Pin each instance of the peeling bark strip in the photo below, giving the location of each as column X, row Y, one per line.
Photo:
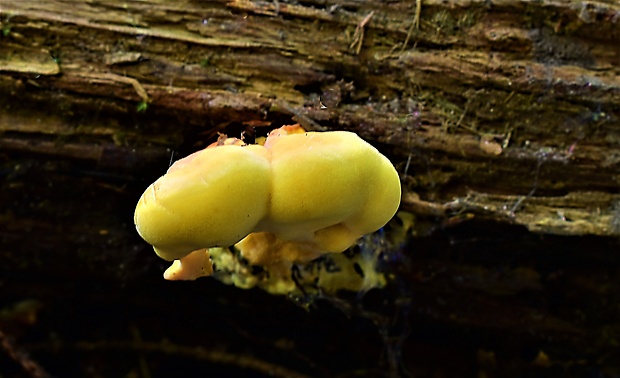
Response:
column 507, row 99
column 16, row 59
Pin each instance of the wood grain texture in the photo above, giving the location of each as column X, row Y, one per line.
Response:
column 480, row 98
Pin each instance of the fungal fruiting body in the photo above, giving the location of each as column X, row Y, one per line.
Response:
column 298, row 196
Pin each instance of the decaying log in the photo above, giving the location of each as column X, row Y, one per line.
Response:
column 473, row 97
column 502, row 117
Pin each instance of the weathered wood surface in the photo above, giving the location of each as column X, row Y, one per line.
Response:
column 498, row 114
column 486, row 101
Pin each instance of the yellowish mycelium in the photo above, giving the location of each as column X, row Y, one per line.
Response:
column 298, row 196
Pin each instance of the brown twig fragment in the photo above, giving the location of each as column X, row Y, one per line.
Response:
column 358, row 36
column 240, row 361
column 415, row 24
column 22, row 358
column 103, row 78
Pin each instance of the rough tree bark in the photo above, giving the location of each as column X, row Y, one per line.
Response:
column 501, row 113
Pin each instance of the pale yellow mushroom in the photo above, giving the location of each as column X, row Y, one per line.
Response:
column 300, row 195
column 214, row 197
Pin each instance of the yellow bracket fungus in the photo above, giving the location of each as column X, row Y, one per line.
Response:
column 298, row 196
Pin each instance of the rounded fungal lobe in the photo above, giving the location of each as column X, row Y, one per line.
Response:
column 300, row 195
column 214, row 198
